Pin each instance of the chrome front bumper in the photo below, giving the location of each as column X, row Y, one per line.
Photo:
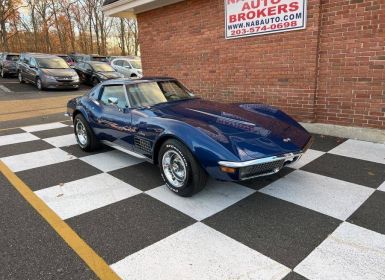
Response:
column 264, row 166
column 238, row 164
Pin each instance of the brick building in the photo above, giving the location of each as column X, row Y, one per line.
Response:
column 331, row 72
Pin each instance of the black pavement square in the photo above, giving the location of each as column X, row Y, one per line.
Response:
column 294, row 276
column 53, row 132
column 261, row 182
column 123, row 228
column 23, row 148
column 11, row 131
column 55, row 174
column 371, row 214
column 77, row 152
column 278, row 229
column 143, row 176
column 325, row 143
column 30, row 248
column 366, row 173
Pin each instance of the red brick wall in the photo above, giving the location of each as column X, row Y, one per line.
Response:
column 186, row 40
column 352, row 63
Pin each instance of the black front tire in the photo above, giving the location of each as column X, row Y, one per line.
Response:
column 196, row 177
column 92, row 142
column 39, row 84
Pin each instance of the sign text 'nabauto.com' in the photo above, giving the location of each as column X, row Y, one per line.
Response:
column 258, row 17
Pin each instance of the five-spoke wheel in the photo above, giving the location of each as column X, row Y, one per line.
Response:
column 180, row 170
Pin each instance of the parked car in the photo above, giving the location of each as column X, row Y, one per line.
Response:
column 8, row 64
column 67, row 59
column 128, row 66
column 47, row 71
column 158, row 119
column 94, row 72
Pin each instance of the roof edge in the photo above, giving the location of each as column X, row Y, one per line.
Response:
column 129, row 8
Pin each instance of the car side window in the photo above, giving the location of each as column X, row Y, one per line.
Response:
column 114, row 91
column 87, row 67
column 94, row 94
column 118, row 63
column 125, row 64
column 32, row 62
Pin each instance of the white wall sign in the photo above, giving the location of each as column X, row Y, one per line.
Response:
column 259, row 17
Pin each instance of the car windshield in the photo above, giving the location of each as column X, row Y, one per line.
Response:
column 137, row 64
column 12, row 57
column 102, row 67
column 152, row 93
column 52, row 63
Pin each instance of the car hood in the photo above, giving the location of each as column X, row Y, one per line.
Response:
column 109, row 75
column 69, row 72
column 10, row 63
column 250, row 131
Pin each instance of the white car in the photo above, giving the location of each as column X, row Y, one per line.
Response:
column 129, row 67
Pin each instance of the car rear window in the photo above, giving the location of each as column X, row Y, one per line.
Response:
column 100, row 58
column 12, row 57
column 66, row 58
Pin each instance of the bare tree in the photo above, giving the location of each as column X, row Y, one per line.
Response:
column 8, row 9
column 65, row 25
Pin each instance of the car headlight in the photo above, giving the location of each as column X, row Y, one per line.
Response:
column 75, row 78
column 48, row 77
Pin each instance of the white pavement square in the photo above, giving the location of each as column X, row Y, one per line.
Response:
column 382, row 187
column 40, row 127
column 110, row 161
column 350, row 252
column 361, row 150
column 215, row 197
column 17, row 138
column 198, row 252
column 62, row 141
column 308, row 157
column 336, row 198
column 36, row 159
column 84, row 195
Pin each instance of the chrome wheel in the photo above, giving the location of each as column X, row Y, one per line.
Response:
column 38, row 84
column 174, row 168
column 2, row 73
column 81, row 133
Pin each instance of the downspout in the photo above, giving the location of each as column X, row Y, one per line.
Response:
column 317, row 63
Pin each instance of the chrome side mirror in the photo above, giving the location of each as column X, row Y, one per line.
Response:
column 113, row 100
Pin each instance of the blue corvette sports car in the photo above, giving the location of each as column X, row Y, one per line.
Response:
column 160, row 120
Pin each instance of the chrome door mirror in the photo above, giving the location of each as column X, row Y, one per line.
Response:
column 113, row 100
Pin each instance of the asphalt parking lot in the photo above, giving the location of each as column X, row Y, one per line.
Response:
column 23, row 104
column 67, row 214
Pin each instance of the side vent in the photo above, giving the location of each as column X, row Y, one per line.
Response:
column 143, row 144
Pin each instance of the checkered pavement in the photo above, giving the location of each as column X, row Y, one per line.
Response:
column 322, row 218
